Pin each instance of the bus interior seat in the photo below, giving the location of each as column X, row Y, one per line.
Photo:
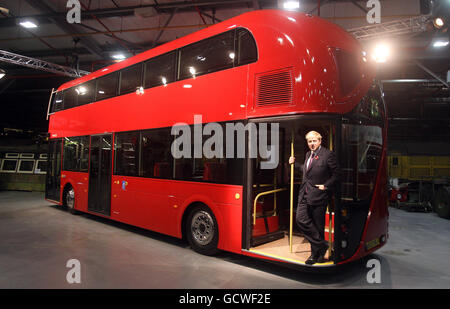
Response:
column 214, row 171
column 162, row 169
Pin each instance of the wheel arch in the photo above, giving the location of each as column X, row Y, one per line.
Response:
column 67, row 187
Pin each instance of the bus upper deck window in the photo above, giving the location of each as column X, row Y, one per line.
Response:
column 85, row 92
column 107, row 86
column 131, row 79
column 246, row 47
column 207, row 56
column 57, row 102
column 70, row 98
column 160, row 70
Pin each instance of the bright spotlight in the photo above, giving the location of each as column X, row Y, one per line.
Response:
column 2, row 73
column 438, row 22
column 381, row 53
column 291, row 5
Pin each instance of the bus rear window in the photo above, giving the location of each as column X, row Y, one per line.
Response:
column 348, row 69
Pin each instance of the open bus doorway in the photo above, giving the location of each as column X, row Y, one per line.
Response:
column 274, row 196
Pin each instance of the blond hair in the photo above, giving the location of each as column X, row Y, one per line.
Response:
column 312, row 134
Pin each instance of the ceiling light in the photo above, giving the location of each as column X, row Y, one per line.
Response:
column 2, row 73
column 28, row 24
column 119, row 56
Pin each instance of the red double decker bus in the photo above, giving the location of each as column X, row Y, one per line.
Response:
column 112, row 133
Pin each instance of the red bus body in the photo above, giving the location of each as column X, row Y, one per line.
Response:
column 301, row 44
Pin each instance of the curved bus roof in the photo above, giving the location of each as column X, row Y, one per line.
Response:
column 317, row 31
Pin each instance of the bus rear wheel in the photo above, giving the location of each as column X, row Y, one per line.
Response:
column 202, row 231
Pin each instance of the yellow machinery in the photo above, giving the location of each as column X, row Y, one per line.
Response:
column 432, row 173
column 418, row 167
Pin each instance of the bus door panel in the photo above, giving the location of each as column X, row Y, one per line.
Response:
column 124, row 204
column 119, row 198
column 53, row 177
column 156, row 202
column 99, row 199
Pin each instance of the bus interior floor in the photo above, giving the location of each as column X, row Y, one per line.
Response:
column 301, row 249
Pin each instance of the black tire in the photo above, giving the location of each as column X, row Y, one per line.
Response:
column 202, row 231
column 442, row 202
column 69, row 200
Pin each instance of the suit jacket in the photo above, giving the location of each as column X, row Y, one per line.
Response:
column 323, row 170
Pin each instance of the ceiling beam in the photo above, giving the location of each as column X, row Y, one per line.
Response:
column 165, row 25
column 121, row 11
column 89, row 43
column 359, row 6
column 256, row 5
column 420, row 65
column 38, row 64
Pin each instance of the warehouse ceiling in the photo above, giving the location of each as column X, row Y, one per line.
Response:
column 415, row 77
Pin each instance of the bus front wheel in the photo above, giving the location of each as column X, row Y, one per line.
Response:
column 69, row 200
column 202, row 231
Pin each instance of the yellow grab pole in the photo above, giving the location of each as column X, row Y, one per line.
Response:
column 330, row 215
column 258, row 196
column 291, row 194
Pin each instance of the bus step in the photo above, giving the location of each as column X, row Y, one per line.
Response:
column 256, row 241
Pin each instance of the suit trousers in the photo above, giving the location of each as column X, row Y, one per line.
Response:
column 311, row 221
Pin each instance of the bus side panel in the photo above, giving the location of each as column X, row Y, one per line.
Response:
column 225, row 202
column 80, row 183
column 219, row 96
column 143, row 202
column 159, row 205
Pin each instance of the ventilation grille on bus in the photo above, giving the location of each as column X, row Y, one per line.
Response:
column 274, row 88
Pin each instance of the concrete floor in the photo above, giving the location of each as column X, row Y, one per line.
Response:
column 38, row 238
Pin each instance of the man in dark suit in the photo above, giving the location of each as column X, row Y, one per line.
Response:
column 320, row 173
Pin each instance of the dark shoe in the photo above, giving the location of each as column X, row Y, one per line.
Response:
column 321, row 259
column 311, row 260
column 324, row 249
